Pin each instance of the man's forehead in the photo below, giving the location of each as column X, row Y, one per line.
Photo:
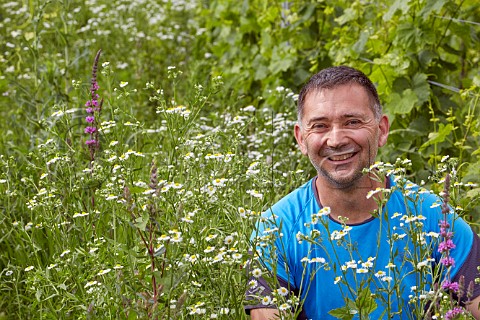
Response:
column 355, row 88
column 353, row 94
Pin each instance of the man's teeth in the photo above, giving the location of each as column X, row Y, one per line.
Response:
column 341, row 157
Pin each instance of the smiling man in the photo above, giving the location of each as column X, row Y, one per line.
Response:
column 340, row 128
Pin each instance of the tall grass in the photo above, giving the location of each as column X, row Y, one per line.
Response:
column 154, row 218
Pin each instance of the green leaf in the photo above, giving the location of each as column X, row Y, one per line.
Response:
column 141, row 222
column 474, row 193
column 365, row 302
column 397, row 5
column 359, row 46
column 348, row 15
column 281, row 60
column 432, row 6
column 343, row 313
column 402, row 104
column 437, row 137
column 132, row 315
column 425, row 57
column 38, row 294
column 135, row 189
column 406, row 35
column 421, row 87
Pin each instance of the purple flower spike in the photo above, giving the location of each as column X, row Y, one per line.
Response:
column 90, row 119
column 448, row 285
column 90, row 130
column 448, row 262
column 444, row 224
column 91, row 142
column 451, row 314
column 446, row 246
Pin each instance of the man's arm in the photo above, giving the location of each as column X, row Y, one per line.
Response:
column 473, row 307
column 264, row 314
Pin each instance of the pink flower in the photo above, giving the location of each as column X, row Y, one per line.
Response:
column 448, row 285
column 451, row 314
column 444, row 224
column 446, row 246
column 91, row 142
column 90, row 130
column 448, row 262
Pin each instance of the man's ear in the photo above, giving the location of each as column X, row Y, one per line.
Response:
column 300, row 139
column 384, row 128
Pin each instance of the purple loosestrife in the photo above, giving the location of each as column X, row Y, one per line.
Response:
column 444, row 248
column 451, row 314
column 93, row 108
column 447, row 243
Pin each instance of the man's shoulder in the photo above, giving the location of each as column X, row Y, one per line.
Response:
column 295, row 202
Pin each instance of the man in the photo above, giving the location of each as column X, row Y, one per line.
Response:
column 358, row 249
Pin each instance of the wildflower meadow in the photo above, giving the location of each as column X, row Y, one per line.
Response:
column 142, row 141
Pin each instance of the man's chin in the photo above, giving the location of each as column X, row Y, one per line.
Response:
column 341, row 181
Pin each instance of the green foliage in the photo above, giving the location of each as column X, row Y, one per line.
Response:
column 204, row 92
column 363, row 304
column 420, row 54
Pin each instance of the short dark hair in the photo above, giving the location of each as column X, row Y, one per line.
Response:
column 336, row 76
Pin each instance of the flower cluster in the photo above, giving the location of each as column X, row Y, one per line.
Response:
column 447, row 244
column 93, row 108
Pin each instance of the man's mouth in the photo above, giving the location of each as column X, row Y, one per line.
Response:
column 341, row 157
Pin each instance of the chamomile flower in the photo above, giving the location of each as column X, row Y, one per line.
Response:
column 282, row 291
column 267, row 300
column 236, row 256
column 209, row 249
column 228, row 240
column 65, row 252
column 257, row 273
column 103, row 271
column 284, row 306
column 210, row 237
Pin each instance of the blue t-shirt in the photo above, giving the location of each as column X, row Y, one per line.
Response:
column 375, row 254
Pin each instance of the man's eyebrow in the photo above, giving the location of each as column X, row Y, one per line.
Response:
column 353, row 115
column 316, row 119
column 344, row 116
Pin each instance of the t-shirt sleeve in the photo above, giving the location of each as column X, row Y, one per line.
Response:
column 269, row 240
column 469, row 269
column 463, row 238
column 262, row 289
column 466, row 254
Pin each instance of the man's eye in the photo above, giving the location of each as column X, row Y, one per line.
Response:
column 353, row 122
column 318, row 126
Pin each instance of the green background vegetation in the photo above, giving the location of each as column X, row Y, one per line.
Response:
column 423, row 56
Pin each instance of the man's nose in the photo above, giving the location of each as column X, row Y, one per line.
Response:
column 335, row 137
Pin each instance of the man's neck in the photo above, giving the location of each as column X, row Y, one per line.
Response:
column 350, row 203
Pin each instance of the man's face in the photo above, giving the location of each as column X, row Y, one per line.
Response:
column 339, row 133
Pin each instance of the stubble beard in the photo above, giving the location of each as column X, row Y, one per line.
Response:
column 337, row 182
column 348, row 182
